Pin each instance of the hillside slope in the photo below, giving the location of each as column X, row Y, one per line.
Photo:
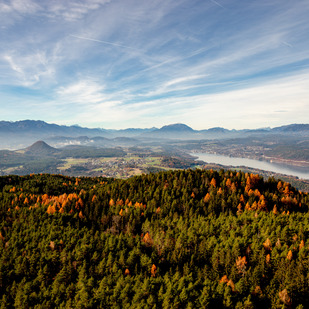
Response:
column 40, row 148
column 181, row 239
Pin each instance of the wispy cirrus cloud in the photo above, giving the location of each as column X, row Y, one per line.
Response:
column 29, row 70
column 249, row 107
column 19, row 6
column 72, row 10
column 165, row 60
column 68, row 10
column 81, row 92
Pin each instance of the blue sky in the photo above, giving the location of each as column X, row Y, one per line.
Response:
column 139, row 63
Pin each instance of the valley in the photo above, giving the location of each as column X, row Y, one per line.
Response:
column 126, row 153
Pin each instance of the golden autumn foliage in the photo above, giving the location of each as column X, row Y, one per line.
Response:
column 279, row 186
column 257, row 193
column 301, row 245
column 257, row 290
column 239, row 209
column 153, row 270
column 119, row 202
column 147, row 239
column 51, row 209
column 289, row 255
column 231, row 285
column 207, row 198
column 79, row 204
column 262, row 203
column 139, row 205
column 250, row 192
column 213, row 182
column 241, row 263
column 254, row 206
column 228, row 183
column 233, row 187
column 224, row 279
column 267, row 258
column 286, row 190
column 285, row 298
column 251, row 182
column 52, row 245
column 247, row 207
column 267, row 244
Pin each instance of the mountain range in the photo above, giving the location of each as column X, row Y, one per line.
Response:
column 21, row 133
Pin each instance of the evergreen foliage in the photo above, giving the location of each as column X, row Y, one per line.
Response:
column 178, row 239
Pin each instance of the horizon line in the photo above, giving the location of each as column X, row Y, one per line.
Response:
column 153, row 127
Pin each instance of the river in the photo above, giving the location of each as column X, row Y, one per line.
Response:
column 301, row 172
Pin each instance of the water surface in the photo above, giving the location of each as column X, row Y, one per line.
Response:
column 301, row 172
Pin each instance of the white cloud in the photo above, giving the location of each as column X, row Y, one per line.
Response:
column 255, row 106
column 249, row 107
column 19, row 6
column 85, row 92
column 157, row 61
column 28, row 70
column 72, row 10
column 181, row 80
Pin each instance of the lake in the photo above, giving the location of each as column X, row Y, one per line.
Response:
column 301, row 172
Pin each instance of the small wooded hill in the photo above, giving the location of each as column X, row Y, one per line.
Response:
column 180, row 239
column 40, row 148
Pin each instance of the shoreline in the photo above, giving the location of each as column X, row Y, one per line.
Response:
column 280, row 168
column 289, row 162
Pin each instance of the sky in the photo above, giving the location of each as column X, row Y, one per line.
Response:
column 138, row 64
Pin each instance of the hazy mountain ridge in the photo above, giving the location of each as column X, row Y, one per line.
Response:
column 288, row 142
column 36, row 129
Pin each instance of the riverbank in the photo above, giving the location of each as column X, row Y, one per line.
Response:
column 275, row 167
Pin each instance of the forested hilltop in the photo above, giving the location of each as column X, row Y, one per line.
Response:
column 178, row 239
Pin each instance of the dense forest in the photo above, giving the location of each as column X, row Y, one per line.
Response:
column 178, row 239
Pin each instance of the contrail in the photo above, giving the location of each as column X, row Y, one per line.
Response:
column 195, row 53
column 215, row 2
column 104, row 42
column 287, row 44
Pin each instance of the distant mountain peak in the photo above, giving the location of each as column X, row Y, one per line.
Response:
column 295, row 127
column 217, row 129
column 40, row 148
column 177, row 127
